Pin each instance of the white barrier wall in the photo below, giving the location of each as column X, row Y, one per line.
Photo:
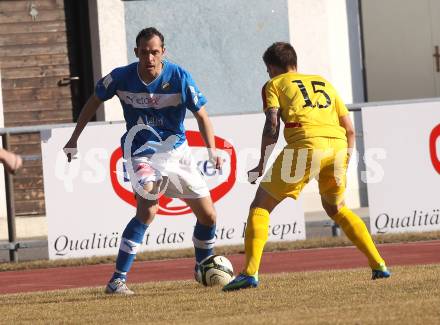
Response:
column 402, row 147
column 88, row 204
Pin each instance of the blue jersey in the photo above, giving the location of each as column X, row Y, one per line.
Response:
column 161, row 104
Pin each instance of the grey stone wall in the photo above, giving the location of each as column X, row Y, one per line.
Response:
column 219, row 41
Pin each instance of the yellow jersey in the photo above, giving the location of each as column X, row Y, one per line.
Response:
column 309, row 104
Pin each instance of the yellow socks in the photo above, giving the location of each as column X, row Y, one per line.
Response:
column 257, row 232
column 355, row 229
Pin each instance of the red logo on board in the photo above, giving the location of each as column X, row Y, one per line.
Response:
column 435, row 134
column 194, row 139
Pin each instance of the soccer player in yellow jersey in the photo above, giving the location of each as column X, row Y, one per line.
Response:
column 320, row 138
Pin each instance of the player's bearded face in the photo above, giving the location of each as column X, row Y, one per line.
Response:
column 150, row 54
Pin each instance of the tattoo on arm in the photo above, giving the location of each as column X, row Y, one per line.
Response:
column 272, row 124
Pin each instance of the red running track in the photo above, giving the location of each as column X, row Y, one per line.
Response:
column 182, row 269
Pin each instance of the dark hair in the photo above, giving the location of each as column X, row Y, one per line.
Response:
column 149, row 33
column 280, row 54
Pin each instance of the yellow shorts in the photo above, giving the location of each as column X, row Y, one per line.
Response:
column 324, row 159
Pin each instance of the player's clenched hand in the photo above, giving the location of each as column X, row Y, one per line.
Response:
column 218, row 163
column 70, row 149
column 255, row 173
column 215, row 159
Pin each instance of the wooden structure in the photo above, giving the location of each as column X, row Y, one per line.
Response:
column 34, row 57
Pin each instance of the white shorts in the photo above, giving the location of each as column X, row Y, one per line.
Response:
column 177, row 171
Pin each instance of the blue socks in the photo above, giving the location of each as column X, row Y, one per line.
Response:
column 131, row 239
column 204, row 240
column 133, row 235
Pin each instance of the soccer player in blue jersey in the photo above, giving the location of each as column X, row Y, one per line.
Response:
column 155, row 94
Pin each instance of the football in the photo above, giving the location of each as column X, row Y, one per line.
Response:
column 215, row 270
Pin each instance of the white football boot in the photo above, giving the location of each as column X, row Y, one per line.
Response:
column 118, row 286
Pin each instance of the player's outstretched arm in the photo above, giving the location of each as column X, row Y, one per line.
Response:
column 88, row 111
column 207, row 131
column 269, row 138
